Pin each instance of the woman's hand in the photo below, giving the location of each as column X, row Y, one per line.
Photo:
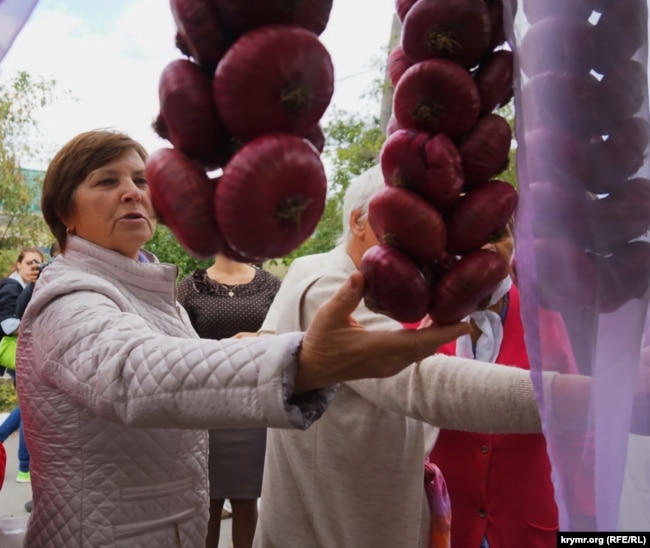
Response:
column 337, row 348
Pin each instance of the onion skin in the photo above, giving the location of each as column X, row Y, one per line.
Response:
column 485, row 150
column 182, row 194
column 273, row 79
column 398, row 63
column 480, row 214
column 437, row 96
column 566, row 276
column 200, row 32
column 188, row 116
column 393, row 284
column 493, row 79
column 409, row 223
column 466, row 286
column 558, row 156
column 618, row 157
column 271, row 196
column 558, row 43
column 457, row 30
column 242, row 16
column 622, row 215
column 428, row 165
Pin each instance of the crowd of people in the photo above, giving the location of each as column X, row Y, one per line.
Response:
column 148, row 401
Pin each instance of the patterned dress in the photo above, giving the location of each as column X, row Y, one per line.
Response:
column 236, row 460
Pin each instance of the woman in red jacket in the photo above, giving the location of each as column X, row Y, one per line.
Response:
column 500, row 485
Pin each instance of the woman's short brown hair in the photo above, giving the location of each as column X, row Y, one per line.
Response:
column 71, row 165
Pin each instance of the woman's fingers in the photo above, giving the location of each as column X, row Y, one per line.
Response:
column 336, row 348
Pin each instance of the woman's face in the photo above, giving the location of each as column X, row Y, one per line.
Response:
column 505, row 245
column 28, row 267
column 112, row 206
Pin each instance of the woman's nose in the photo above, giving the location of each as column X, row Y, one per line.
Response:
column 131, row 191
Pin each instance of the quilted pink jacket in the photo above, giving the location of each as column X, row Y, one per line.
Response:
column 116, row 390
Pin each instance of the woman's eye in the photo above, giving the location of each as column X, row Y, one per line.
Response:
column 140, row 182
column 105, row 182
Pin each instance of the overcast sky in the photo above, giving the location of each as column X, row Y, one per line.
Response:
column 109, row 54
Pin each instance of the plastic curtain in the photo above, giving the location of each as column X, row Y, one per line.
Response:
column 13, row 15
column 582, row 245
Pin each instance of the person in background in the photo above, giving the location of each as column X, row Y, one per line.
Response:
column 337, row 483
column 118, row 389
column 222, row 301
column 500, row 485
column 21, row 305
column 24, row 274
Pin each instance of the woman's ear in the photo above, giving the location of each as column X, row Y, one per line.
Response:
column 357, row 223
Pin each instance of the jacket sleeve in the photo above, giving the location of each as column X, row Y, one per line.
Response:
column 120, row 367
column 444, row 391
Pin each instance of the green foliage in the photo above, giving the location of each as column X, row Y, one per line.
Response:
column 166, row 247
column 510, row 173
column 353, row 145
column 8, row 398
column 20, row 226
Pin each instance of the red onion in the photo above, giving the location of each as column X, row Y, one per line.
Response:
column 479, row 215
column 458, row 30
column 275, row 78
column 271, row 196
column 466, row 286
column 621, row 93
column 622, row 154
column 558, row 156
column 485, row 149
column 407, row 222
column 621, row 216
column 561, row 100
column 426, row 164
column 623, row 275
column 621, row 30
column 497, row 32
column 566, row 276
column 536, row 10
column 558, row 43
column 242, row 16
column 402, row 7
column 182, row 195
column 188, row 117
column 493, row 79
column 560, row 212
column 200, row 32
column 437, row 96
column 393, row 284
column 398, row 63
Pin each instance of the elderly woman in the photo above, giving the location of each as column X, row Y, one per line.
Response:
column 119, row 389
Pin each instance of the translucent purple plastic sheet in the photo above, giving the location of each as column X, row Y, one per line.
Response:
column 582, row 245
column 13, row 15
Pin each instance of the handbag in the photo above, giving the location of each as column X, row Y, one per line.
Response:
column 8, row 345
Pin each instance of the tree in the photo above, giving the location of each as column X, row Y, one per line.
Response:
column 165, row 246
column 20, row 98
